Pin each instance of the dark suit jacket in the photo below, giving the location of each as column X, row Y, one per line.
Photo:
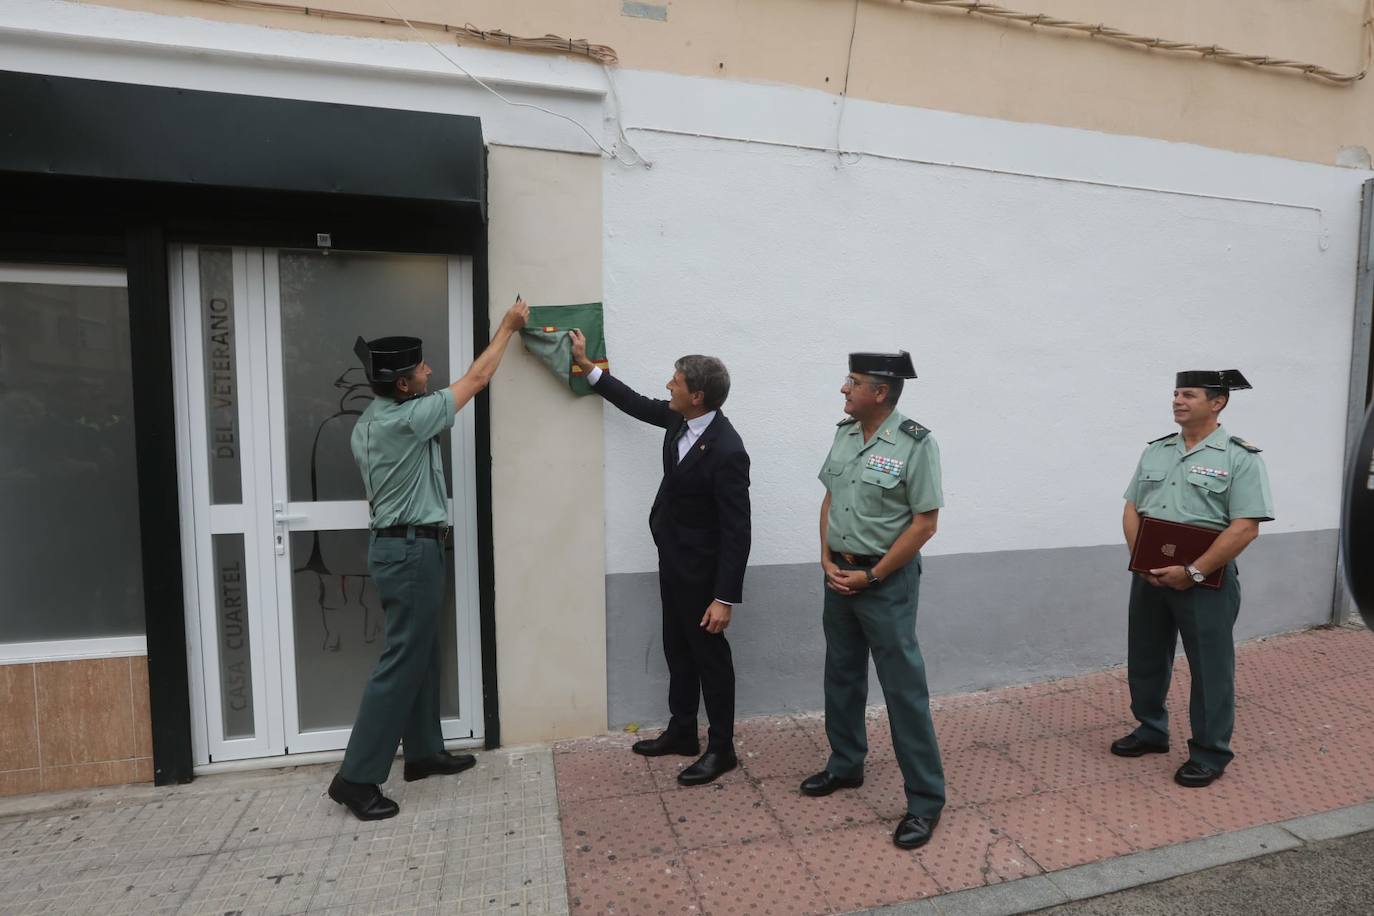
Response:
column 700, row 516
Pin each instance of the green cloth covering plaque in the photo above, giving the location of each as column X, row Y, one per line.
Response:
column 546, row 336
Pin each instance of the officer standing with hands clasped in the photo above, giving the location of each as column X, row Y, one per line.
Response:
column 1198, row 476
column 883, row 498
column 396, row 446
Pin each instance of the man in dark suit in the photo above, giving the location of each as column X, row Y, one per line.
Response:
column 700, row 524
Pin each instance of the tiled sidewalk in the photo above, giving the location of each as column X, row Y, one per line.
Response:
column 268, row 842
column 1031, row 788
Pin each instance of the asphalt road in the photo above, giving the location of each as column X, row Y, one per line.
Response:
column 1331, row 878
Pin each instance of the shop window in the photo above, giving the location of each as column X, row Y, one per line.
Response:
column 70, row 558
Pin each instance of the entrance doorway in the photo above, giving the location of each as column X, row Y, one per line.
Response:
column 283, row 621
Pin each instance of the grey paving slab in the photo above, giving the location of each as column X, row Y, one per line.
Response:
column 1170, row 861
column 271, row 842
column 1020, row 896
column 1332, row 824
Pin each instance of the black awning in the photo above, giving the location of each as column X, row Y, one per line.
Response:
column 78, row 128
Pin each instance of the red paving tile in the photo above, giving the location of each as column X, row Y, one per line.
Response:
column 1059, row 764
column 983, row 774
column 782, row 751
column 799, row 814
column 968, row 851
column 860, row 868
column 604, row 830
column 1031, row 786
column 987, row 723
column 1054, row 831
column 1141, row 816
column 759, row 879
column 719, row 815
column 656, row 886
column 600, row 773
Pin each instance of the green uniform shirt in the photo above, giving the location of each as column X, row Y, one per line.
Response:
column 396, row 445
column 876, row 487
column 1210, row 485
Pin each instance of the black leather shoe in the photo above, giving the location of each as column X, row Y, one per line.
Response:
column 711, row 766
column 365, row 800
column 1196, row 775
column 1131, row 746
column 441, row 764
column 823, row 784
column 914, row 831
column 665, row 744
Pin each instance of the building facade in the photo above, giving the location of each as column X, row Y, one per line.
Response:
column 206, row 202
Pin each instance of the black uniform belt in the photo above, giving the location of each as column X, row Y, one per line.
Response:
column 438, row 532
column 854, row 559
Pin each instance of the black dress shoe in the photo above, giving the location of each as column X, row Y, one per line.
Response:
column 823, row 784
column 665, row 744
column 365, row 800
column 711, row 766
column 441, row 764
column 914, row 831
column 1196, row 775
column 1131, row 746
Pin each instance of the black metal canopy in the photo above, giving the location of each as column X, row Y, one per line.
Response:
column 77, row 128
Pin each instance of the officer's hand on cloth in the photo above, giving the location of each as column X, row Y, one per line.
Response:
column 1175, row 577
column 579, row 350
column 716, row 618
column 516, row 316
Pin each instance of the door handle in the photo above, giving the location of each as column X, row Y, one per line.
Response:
column 280, row 520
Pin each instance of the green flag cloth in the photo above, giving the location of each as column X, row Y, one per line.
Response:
column 546, row 336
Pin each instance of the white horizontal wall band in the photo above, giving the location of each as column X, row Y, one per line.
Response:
column 111, row 277
column 63, row 650
column 91, row 42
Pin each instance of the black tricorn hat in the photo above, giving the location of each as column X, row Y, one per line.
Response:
column 1227, row 379
column 894, row 365
column 388, row 358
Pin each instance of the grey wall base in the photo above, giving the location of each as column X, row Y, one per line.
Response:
column 986, row 620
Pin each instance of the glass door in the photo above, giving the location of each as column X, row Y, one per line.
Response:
column 289, row 621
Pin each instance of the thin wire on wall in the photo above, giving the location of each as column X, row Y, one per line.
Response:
column 609, row 151
column 1208, row 52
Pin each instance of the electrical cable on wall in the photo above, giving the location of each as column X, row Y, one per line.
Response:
column 609, row 151
column 1208, row 52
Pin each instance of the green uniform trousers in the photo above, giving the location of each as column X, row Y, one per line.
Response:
column 401, row 701
column 1204, row 617
column 881, row 619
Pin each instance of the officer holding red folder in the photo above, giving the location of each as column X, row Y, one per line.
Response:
column 1205, row 477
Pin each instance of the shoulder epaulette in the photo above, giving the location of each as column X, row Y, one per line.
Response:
column 1161, row 438
column 1248, row 446
column 914, row 430
column 846, row 421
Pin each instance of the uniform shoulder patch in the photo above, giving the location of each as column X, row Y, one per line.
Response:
column 1161, row 438
column 846, row 421
column 914, row 430
column 1248, row 446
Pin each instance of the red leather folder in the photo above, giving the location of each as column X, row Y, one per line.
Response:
column 1162, row 543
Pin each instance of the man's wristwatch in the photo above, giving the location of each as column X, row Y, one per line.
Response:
column 872, row 579
column 1196, row 574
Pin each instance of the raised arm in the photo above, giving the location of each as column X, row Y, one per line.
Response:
column 625, row 398
column 479, row 374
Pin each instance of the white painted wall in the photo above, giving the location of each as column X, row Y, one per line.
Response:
column 1048, row 283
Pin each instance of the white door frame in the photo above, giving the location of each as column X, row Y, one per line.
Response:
column 261, row 415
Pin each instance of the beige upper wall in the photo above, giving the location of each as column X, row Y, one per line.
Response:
column 547, row 451
column 950, row 61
